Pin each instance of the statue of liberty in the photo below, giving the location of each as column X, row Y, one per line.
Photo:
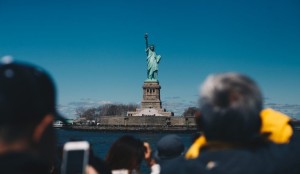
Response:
column 152, row 61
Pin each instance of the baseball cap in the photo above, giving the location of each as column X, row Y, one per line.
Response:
column 27, row 93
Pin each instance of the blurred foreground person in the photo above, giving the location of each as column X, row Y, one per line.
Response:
column 238, row 135
column 168, row 148
column 126, row 155
column 27, row 110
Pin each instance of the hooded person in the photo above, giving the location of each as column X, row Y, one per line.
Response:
column 239, row 136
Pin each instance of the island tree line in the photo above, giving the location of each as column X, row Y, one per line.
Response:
column 105, row 110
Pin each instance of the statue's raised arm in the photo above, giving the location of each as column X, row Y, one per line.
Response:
column 152, row 61
column 146, row 39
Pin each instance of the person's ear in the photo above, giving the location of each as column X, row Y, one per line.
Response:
column 41, row 127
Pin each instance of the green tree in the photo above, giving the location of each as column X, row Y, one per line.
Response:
column 105, row 110
column 190, row 111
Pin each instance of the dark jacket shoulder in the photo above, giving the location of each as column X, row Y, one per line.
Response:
column 22, row 163
column 268, row 159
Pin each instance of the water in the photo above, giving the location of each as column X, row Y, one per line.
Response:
column 101, row 141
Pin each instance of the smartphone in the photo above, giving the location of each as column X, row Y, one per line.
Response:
column 75, row 157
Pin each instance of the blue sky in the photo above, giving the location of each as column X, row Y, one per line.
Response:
column 95, row 49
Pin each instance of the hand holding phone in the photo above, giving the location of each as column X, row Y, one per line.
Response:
column 75, row 157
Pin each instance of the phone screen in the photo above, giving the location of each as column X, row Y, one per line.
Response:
column 75, row 157
column 75, row 162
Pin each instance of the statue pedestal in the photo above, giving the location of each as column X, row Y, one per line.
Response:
column 151, row 103
column 151, row 95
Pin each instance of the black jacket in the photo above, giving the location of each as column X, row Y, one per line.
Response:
column 22, row 163
column 268, row 158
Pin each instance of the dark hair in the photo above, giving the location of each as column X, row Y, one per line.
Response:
column 126, row 153
column 230, row 105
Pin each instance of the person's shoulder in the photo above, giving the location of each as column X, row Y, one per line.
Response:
column 269, row 158
column 22, row 163
column 182, row 166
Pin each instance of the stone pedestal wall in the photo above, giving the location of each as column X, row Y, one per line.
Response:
column 151, row 103
column 146, row 121
column 151, row 95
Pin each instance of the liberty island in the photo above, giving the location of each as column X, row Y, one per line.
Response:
column 151, row 116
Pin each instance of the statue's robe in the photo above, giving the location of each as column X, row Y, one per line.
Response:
column 152, row 62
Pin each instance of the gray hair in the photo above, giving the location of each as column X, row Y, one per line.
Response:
column 230, row 104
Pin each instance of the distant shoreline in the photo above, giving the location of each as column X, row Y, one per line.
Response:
column 150, row 124
column 148, row 129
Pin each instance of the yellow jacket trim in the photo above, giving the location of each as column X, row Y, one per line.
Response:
column 275, row 123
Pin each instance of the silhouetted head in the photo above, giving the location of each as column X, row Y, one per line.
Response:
column 168, row 147
column 27, row 109
column 126, row 153
column 230, row 105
